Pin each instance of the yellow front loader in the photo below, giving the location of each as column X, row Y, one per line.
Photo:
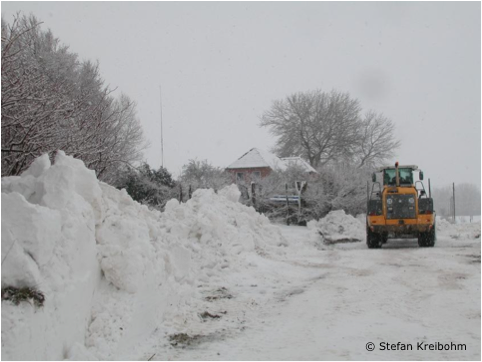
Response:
column 398, row 207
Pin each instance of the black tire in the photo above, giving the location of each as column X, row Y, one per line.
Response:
column 422, row 239
column 431, row 237
column 384, row 238
column 427, row 239
column 374, row 240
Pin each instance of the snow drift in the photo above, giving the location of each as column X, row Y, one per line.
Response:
column 337, row 227
column 109, row 267
column 458, row 231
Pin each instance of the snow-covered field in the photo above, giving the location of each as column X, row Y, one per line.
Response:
column 211, row 279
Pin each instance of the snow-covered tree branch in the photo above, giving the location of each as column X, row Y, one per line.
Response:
column 51, row 101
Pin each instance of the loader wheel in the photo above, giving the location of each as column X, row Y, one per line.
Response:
column 384, row 238
column 431, row 237
column 374, row 240
column 422, row 239
column 427, row 239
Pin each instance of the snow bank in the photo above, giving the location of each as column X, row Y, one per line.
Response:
column 111, row 269
column 155, row 261
column 48, row 243
column 336, row 227
column 458, row 231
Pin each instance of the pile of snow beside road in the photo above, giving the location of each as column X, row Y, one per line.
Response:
column 337, row 227
column 49, row 216
column 110, row 268
column 458, row 231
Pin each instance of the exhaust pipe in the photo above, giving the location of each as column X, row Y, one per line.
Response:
column 396, row 174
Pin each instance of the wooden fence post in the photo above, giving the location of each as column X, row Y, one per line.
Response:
column 253, row 194
column 287, row 206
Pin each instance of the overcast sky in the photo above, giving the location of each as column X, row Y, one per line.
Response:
column 221, row 64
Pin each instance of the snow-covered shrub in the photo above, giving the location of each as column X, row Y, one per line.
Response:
column 147, row 186
column 26, row 294
column 335, row 187
column 338, row 187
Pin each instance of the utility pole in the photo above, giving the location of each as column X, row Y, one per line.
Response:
column 453, row 191
column 162, row 138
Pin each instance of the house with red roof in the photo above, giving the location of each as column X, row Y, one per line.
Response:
column 257, row 164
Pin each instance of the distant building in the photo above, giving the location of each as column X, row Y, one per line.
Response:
column 257, row 164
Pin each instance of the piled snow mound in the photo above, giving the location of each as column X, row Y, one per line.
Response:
column 154, row 261
column 49, row 215
column 212, row 229
column 458, row 231
column 362, row 218
column 337, row 227
column 443, row 226
column 110, row 268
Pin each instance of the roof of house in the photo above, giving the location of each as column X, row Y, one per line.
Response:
column 298, row 161
column 258, row 158
column 255, row 158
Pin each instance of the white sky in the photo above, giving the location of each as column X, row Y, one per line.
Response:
column 221, row 64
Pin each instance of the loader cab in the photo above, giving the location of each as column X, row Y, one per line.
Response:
column 405, row 175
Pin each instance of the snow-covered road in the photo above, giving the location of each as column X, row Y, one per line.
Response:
column 211, row 279
column 328, row 304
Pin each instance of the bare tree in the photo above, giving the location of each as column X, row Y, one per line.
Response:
column 327, row 128
column 319, row 126
column 376, row 141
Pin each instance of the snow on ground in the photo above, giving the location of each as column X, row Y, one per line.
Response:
column 328, row 304
column 211, row 279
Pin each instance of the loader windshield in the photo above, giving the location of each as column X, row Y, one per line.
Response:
column 405, row 175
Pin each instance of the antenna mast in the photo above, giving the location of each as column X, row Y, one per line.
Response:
column 162, row 138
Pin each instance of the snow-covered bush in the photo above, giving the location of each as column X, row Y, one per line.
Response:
column 147, row 186
column 25, row 294
column 336, row 187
